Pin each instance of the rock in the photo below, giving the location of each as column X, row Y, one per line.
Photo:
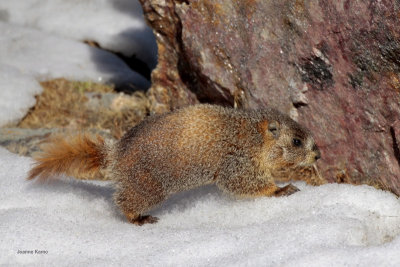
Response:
column 168, row 90
column 332, row 65
column 26, row 142
column 115, row 102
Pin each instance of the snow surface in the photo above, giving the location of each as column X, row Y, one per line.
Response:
column 16, row 85
column 77, row 224
column 45, row 57
column 117, row 25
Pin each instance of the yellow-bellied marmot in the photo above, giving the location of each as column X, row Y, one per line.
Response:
column 244, row 152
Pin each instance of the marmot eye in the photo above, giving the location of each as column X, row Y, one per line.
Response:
column 296, row 142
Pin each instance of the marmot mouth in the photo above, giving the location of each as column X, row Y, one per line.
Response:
column 307, row 163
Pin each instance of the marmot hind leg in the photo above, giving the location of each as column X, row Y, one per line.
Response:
column 286, row 190
column 133, row 205
column 140, row 220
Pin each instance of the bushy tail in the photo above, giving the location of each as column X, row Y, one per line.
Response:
column 81, row 157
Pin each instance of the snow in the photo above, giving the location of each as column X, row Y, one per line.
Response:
column 16, row 85
column 77, row 223
column 117, row 25
column 47, row 57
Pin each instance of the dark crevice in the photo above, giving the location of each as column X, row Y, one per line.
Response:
column 396, row 149
column 133, row 62
column 183, row 1
column 299, row 104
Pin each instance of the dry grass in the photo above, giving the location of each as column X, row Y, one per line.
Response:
column 63, row 104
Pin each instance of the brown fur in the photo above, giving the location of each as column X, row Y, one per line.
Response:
column 243, row 152
column 78, row 156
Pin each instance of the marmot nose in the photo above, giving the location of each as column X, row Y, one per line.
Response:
column 318, row 155
column 317, row 152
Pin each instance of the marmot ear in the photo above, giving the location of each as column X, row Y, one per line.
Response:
column 273, row 128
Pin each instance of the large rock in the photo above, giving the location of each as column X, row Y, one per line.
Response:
column 332, row 65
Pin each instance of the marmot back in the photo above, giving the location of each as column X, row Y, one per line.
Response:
column 243, row 152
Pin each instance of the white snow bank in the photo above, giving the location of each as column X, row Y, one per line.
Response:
column 117, row 25
column 46, row 57
column 17, row 93
column 76, row 223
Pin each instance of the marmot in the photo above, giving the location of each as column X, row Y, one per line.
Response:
column 244, row 152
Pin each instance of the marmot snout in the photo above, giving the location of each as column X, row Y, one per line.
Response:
column 243, row 152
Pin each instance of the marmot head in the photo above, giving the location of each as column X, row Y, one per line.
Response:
column 288, row 143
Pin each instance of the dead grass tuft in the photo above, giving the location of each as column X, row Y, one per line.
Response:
column 64, row 104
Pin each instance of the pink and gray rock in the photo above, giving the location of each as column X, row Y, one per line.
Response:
column 332, row 65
